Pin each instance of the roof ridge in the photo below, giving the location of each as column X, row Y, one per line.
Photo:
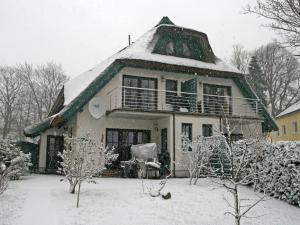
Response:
column 165, row 20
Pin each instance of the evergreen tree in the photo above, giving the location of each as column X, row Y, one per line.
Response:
column 256, row 80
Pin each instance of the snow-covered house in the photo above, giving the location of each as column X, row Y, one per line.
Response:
column 166, row 84
column 288, row 122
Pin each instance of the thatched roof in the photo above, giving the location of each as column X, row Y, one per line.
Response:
column 147, row 52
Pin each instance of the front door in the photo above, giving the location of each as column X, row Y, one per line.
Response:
column 55, row 144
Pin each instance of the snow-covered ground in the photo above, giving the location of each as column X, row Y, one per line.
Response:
column 43, row 200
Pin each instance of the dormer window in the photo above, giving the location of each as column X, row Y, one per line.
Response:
column 170, row 48
column 186, row 51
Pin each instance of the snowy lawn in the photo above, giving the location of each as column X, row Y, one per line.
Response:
column 43, row 200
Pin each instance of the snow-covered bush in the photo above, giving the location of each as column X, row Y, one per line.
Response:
column 13, row 163
column 83, row 158
column 271, row 168
column 280, row 171
column 199, row 153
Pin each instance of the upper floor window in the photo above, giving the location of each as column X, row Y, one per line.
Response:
column 170, row 48
column 295, row 127
column 139, row 92
column 171, row 91
column 186, row 51
column 217, row 99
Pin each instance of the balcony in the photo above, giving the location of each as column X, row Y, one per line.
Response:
column 154, row 100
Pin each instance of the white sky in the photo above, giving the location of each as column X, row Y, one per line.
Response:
column 80, row 33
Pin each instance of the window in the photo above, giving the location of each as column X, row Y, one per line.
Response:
column 112, row 138
column 139, row 92
column 295, row 127
column 122, row 139
column 170, row 48
column 186, row 51
column 217, row 99
column 186, row 131
column 171, row 91
column 55, row 144
column 283, row 127
column 207, row 130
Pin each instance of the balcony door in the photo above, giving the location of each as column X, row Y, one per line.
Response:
column 139, row 92
column 189, row 95
column 217, row 99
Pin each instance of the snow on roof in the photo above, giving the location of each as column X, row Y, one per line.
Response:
column 142, row 50
column 290, row 109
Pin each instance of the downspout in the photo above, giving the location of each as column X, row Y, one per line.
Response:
column 221, row 127
column 174, row 158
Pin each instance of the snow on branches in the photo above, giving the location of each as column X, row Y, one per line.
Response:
column 279, row 174
column 13, row 163
column 82, row 158
column 199, row 153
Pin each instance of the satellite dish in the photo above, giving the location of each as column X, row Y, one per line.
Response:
column 96, row 107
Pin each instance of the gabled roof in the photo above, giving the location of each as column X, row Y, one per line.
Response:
column 289, row 110
column 78, row 91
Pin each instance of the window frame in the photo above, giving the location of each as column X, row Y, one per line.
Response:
column 209, row 98
column 135, row 136
column 184, row 126
column 148, row 95
column 210, row 129
column 171, row 93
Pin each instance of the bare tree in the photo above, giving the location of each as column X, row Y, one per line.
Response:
column 49, row 78
column 282, row 76
column 243, row 157
column 240, row 58
column 83, row 159
column 198, row 159
column 10, row 85
column 44, row 83
column 27, row 94
column 284, row 17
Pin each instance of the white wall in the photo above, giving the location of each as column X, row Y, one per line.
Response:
column 83, row 122
column 197, row 122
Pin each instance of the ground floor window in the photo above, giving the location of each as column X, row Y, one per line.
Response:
column 186, row 131
column 207, row 130
column 122, row 139
column 55, row 144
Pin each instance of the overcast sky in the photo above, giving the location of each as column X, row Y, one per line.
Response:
column 80, row 33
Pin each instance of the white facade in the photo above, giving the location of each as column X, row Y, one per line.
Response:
column 154, row 121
